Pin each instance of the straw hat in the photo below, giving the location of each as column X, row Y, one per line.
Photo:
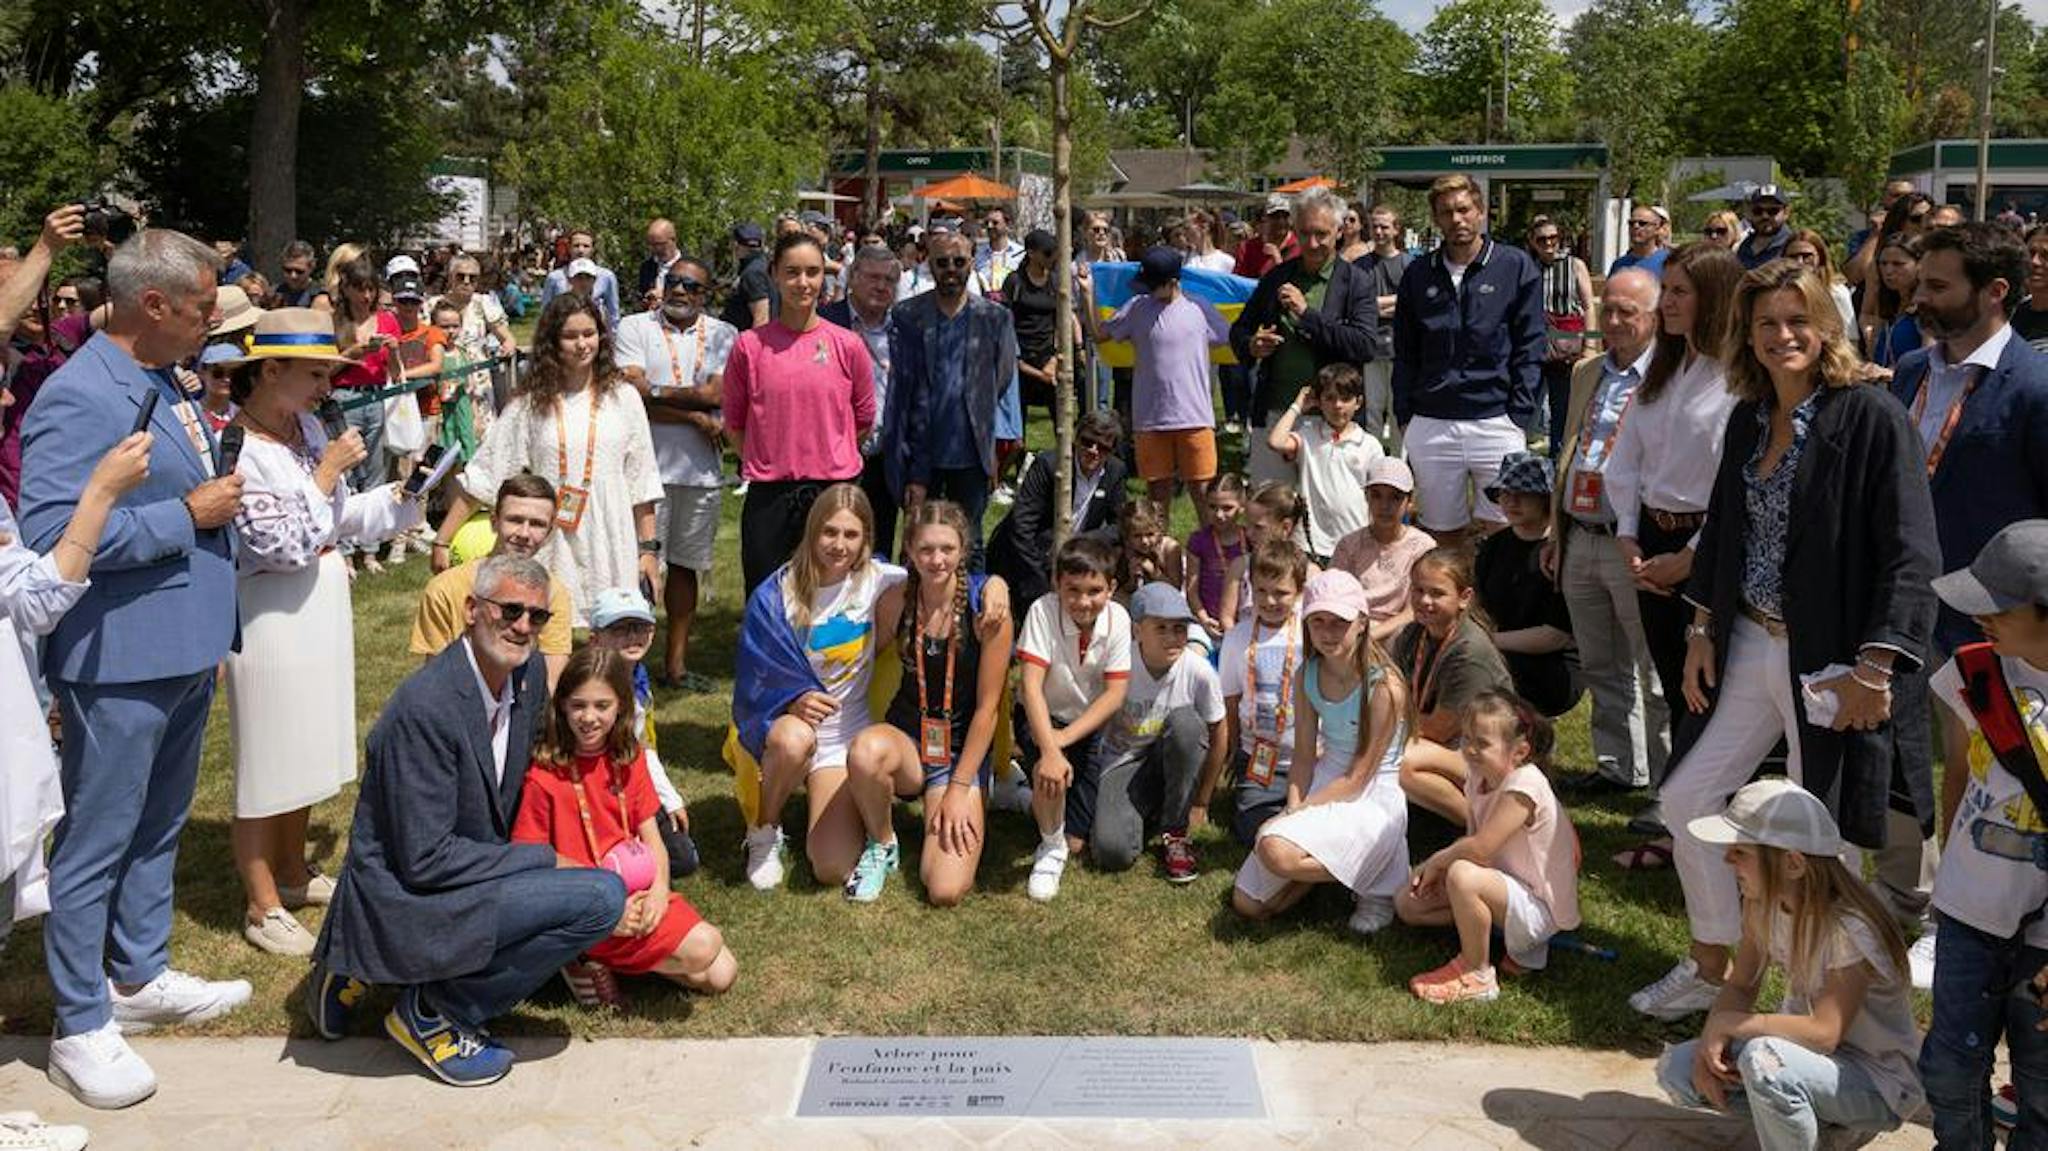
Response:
column 294, row 334
column 237, row 311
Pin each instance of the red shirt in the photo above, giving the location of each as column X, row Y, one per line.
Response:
column 373, row 370
column 548, row 812
column 1251, row 255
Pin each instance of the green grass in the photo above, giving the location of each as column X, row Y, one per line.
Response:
column 1115, row 954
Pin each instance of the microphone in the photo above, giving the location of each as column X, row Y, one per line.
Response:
column 231, row 448
column 331, row 418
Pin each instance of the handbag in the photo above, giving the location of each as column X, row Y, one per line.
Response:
column 1566, row 335
column 404, row 431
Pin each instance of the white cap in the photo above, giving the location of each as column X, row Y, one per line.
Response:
column 582, row 266
column 1773, row 813
column 397, row 265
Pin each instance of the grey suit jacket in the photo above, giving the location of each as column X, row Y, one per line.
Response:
column 415, row 901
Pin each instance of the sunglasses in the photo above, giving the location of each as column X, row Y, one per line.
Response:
column 463, row 277
column 1717, row 231
column 1642, row 223
column 1099, row 228
column 1766, row 209
column 690, row 286
column 950, row 261
column 514, row 612
column 1088, row 445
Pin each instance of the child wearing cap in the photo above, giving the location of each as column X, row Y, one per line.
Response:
column 622, row 619
column 1835, row 1061
column 1532, row 626
column 1381, row 553
column 1167, row 735
column 1349, row 823
column 1331, row 453
column 1991, row 948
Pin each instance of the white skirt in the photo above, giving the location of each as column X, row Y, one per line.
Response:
column 292, row 689
column 1362, row 843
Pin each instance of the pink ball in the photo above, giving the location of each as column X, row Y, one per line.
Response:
column 632, row 862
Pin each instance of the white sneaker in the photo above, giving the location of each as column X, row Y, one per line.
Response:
column 1372, row 913
column 23, row 1131
column 1003, row 496
column 176, row 998
column 318, row 892
column 100, row 1070
column 1680, row 993
column 279, row 933
column 1920, row 960
column 1011, row 791
column 1048, row 863
column 764, row 857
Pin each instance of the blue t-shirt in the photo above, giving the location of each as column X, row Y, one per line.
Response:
column 1652, row 263
column 951, row 434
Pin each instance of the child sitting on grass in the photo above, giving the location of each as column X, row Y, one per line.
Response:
column 1261, row 665
column 1516, row 867
column 1149, row 554
column 1834, row 1063
column 588, row 796
column 622, row 620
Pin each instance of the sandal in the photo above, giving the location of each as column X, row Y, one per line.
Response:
column 1652, row 855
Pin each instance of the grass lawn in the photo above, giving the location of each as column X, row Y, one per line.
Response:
column 1125, row 954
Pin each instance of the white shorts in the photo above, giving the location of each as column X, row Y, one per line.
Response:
column 1453, row 461
column 1529, row 926
column 687, row 524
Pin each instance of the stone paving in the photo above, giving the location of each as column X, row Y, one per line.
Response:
column 616, row 1095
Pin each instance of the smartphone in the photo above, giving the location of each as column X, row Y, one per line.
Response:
column 148, row 410
column 429, row 461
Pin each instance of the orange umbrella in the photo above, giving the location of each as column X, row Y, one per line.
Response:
column 1294, row 187
column 967, row 187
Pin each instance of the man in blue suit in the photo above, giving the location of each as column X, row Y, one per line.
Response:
column 1979, row 397
column 132, row 665
column 434, row 898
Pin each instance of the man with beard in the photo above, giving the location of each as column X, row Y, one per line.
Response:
column 1983, row 392
column 952, row 356
column 1769, row 215
column 675, row 355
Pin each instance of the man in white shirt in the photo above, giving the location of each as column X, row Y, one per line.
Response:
column 997, row 255
column 675, row 355
column 604, row 287
column 1631, row 722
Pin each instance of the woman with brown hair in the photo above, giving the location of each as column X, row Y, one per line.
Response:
column 367, row 336
column 580, row 426
column 1815, row 635
column 1809, row 249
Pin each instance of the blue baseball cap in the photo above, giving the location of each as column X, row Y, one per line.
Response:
column 618, row 605
column 747, row 233
column 1160, row 266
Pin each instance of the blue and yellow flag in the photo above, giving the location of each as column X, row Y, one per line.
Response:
column 1225, row 291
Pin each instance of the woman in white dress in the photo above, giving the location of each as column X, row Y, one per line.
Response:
column 292, row 686
column 579, row 425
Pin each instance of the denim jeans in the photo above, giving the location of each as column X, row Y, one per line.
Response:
column 546, row 918
column 369, row 420
column 1980, row 991
column 967, row 487
column 1789, row 1092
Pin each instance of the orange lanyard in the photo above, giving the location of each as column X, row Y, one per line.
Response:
column 924, row 707
column 1427, row 680
column 1251, row 676
column 583, row 809
column 1592, row 417
column 675, row 359
column 589, row 441
column 1948, row 424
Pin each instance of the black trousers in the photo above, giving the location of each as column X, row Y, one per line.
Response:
column 1664, row 620
column 772, row 525
column 884, row 504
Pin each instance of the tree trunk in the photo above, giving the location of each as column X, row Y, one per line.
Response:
column 274, row 133
column 1063, row 297
column 871, row 174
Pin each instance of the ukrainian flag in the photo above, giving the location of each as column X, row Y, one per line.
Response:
column 1225, row 291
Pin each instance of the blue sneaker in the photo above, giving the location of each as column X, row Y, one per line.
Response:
column 330, row 998
column 877, row 860
column 457, row 1056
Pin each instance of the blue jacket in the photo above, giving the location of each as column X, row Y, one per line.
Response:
column 991, row 369
column 1474, row 353
column 1995, row 469
column 415, row 900
column 162, row 600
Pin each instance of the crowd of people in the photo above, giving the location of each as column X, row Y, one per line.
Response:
column 1788, row 551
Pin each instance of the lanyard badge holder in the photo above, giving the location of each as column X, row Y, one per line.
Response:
column 571, row 499
column 935, row 732
column 1264, row 763
column 1589, row 482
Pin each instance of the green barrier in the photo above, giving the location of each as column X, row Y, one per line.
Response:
column 364, row 397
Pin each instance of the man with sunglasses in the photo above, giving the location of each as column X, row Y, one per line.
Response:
column 953, row 360
column 295, row 287
column 522, row 519
column 433, row 899
column 1649, row 241
column 1770, row 217
column 675, row 355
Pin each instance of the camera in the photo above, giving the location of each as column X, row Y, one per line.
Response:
column 107, row 221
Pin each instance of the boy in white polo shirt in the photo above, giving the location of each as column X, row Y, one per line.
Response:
column 1332, row 455
column 1076, row 652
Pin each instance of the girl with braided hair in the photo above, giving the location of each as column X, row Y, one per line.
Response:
column 941, row 725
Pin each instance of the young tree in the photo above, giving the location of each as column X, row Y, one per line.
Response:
column 1633, row 63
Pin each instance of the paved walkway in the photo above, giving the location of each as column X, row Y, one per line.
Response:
column 620, row 1094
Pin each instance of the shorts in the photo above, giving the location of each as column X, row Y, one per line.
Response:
column 1453, row 461
column 1186, row 453
column 1529, row 926
column 935, row 777
column 687, row 524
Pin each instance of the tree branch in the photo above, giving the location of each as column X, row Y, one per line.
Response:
column 1104, row 25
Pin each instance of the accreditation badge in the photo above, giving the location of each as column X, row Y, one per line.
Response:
column 1265, row 763
column 935, row 741
column 571, row 501
column 1584, row 498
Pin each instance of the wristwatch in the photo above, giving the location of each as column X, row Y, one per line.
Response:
column 1695, row 631
column 650, row 547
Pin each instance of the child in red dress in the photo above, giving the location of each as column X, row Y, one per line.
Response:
column 588, row 796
